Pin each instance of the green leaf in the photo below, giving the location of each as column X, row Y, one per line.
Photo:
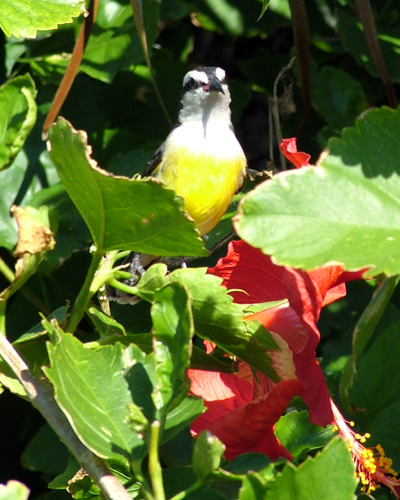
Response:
column 23, row 19
column 143, row 382
column 264, row 8
column 253, row 488
column 218, row 319
column 181, row 416
column 91, row 390
column 179, row 449
column 207, row 454
column 200, row 359
column 363, row 332
column 10, row 181
column 337, row 96
column 105, row 326
column 114, row 47
column 234, row 19
column 346, row 211
column 9, row 381
column 82, row 487
column 61, row 481
column 297, row 434
column 38, row 331
column 153, row 279
column 13, row 490
column 375, row 390
column 107, row 53
column 327, row 476
column 17, row 116
column 45, row 452
column 249, row 461
column 262, row 306
column 214, row 311
column 173, row 332
column 352, row 35
column 121, row 213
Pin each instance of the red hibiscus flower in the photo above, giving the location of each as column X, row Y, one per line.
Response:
column 243, row 408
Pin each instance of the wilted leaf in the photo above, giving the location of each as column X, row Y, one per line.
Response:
column 33, row 235
column 34, row 239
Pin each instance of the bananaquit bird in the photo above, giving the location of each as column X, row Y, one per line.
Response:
column 201, row 159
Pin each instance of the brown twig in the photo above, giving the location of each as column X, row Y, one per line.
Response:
column 274, row 106
column 42, row 399
column 72, row 69
column 302, row 42
column 367, row 20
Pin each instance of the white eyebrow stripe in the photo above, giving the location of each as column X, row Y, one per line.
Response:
column 199, row 76
column 220, row 74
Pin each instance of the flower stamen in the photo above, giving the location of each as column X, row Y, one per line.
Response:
column 373, row 468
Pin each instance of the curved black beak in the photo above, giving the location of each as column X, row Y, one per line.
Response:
column 215, row 85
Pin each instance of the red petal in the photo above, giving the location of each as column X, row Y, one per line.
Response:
column 284, row 321
column 250, row 274
column 254, row 278
column 289, row 149
column 243, row 426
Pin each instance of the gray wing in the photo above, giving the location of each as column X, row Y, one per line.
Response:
column 155, row 162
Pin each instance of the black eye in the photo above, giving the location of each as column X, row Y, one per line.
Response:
column 190, row 84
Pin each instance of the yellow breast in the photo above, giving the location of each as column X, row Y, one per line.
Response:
column 206, row 173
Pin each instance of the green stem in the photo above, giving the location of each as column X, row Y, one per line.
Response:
column 3, row 305
column 124, row 288
column 155, row 469
column 137, row 472
column 6, row 271
column 84, row 296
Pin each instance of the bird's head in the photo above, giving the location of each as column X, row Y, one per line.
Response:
column 204, row 93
